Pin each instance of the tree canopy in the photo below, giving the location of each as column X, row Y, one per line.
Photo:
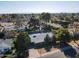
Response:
column 77, row 55
column 21, row 44
column 2, row 35
column 47, row 39
column 45, row 16
column 62, row 35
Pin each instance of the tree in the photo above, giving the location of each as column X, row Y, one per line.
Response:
column 62, row 35
column 45, row 16
column 48, row 41
column 10, row 34
column 21, row 44
column 77, row 55
column 2, row 35
column 34, row 23
column 13, row 16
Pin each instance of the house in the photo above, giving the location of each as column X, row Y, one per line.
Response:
column 7, row 26
column 64, row 23
column 39, row 37
column 6, row 23
column 5, row 45
column 74, row 28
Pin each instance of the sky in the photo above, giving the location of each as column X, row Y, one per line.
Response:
column 39, row 6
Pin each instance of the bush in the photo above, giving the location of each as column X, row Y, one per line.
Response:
column 77, row 55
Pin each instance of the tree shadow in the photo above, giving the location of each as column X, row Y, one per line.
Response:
column 47, row 47
column 32, row 45
column 36, row 45
column 68, row 50
column 39, row 45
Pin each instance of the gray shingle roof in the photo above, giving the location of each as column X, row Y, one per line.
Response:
column 39, row 37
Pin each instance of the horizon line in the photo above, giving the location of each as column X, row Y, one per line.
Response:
column 36, row 12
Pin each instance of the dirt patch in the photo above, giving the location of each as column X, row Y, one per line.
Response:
column 53, row 49
column 42, row 50
column 74, row 43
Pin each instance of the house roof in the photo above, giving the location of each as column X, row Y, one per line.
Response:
column 39, row 37
column 5, row 44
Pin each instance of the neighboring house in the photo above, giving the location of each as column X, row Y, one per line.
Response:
column 1, row 28
column 5, row 45
column 39, row 37
column 6, row 23
column 74, row 28
column 8, row 26
column 53, row 25
column 64, row 23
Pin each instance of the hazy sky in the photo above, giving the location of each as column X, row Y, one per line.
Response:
column 38, row 6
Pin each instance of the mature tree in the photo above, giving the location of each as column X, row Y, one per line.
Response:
column 48, row 42
column 77, row 55
column 21, row 44
column 45, row 16
column 47, row 39
column 62, row 35
column 2, row 35
column 13, row 16
column 4, row 16
column 10, row 34
column 34, row 23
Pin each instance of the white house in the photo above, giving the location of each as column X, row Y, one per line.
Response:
column 39, row 37
column 5, row 44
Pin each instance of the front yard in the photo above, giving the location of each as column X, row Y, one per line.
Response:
column 40, row 51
